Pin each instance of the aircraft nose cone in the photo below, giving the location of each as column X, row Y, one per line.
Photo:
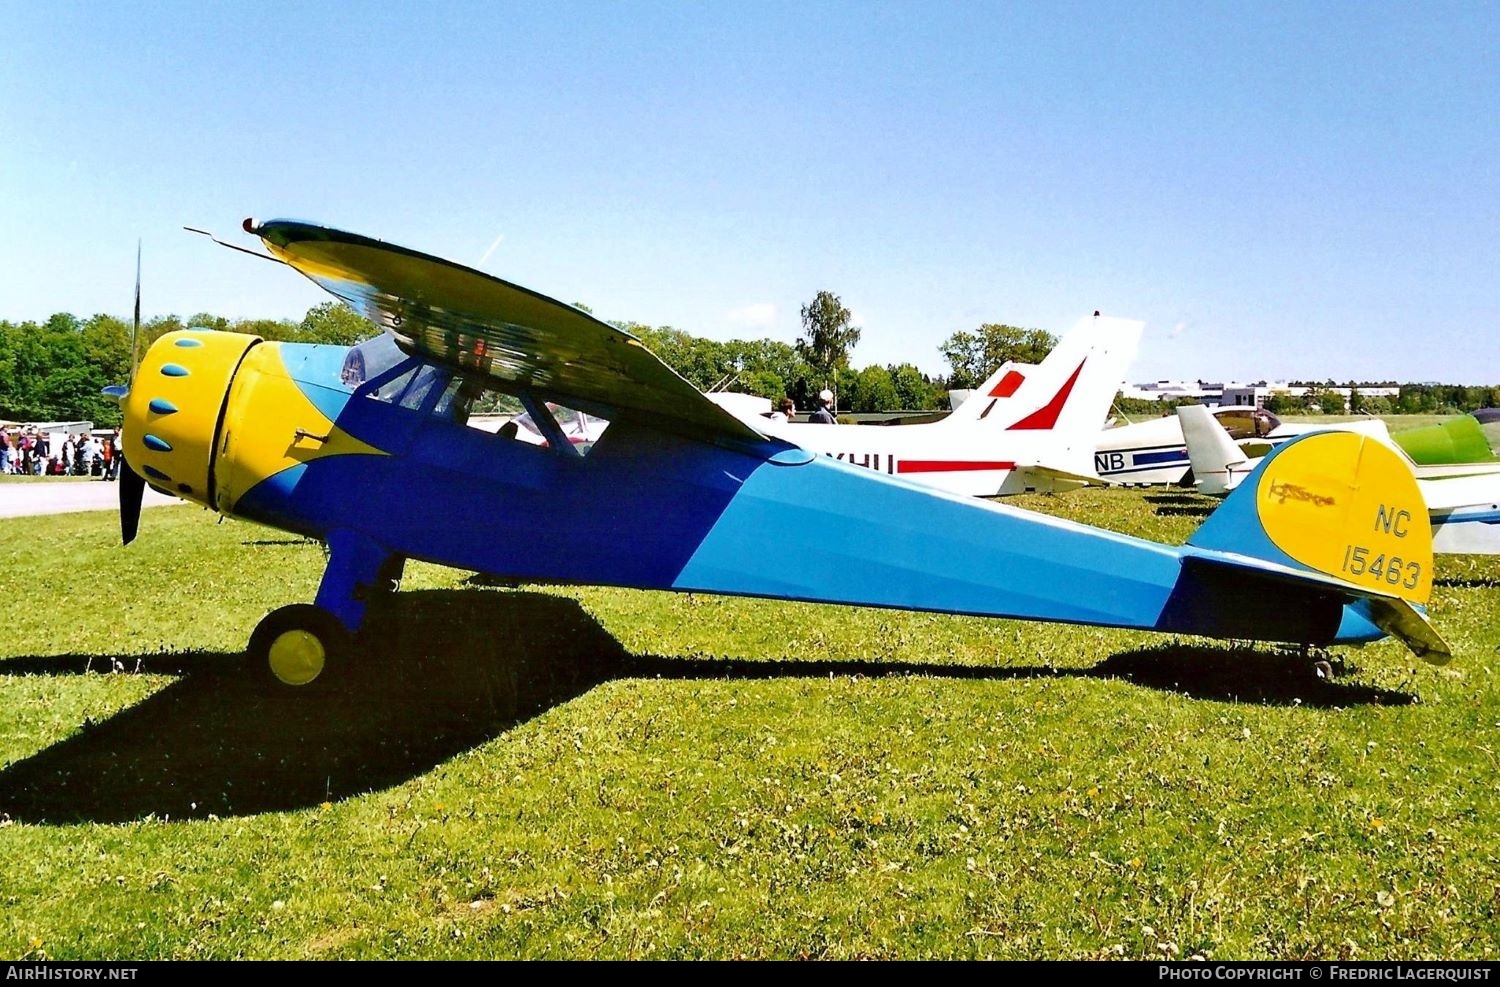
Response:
column 173, row 408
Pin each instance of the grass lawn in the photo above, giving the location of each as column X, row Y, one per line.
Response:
column 582, row 773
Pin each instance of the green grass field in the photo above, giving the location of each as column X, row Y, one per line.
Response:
column 583, row 773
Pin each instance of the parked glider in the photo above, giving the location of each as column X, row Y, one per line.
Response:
column 1464, row 510
column 367, row 450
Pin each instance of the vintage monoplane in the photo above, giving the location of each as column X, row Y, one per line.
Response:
column 367, row 449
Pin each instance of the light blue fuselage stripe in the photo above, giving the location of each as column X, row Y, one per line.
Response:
column 824, row 532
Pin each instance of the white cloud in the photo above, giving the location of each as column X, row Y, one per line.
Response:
column 1177, row 330
column 757, row 316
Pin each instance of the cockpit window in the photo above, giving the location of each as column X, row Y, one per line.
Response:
column 1247, row 423
column 370, row 359
column 580, row 430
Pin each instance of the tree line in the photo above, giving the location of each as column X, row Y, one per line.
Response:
column 55, row 370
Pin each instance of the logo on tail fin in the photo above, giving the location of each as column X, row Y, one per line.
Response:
column 1045, row 417
column 1004, row 388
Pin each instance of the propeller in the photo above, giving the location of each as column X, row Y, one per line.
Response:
column 132, row 484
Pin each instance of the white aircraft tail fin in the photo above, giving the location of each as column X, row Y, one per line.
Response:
column 1071, row 391
column 1218, row 464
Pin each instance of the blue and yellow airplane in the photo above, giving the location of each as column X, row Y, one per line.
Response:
column 367, row 449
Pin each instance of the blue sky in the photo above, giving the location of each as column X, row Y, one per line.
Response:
column 1279, row 190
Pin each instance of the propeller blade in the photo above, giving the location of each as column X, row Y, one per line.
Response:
column 132, row 490
column 135, row 329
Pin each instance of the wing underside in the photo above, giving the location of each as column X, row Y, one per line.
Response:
column 508, row 336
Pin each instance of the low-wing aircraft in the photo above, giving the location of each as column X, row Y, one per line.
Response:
column 1464, row 510
column 1026, row 429
column 1155, row 452
column 367, row 449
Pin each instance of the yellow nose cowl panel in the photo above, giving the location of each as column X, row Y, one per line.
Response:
column 1345, row 504
column 173, row 408
column 272, row 425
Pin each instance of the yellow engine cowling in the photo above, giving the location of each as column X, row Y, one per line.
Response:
column 175, row 408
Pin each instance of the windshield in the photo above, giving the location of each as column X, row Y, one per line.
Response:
column 370, row 358
column 1247, row 423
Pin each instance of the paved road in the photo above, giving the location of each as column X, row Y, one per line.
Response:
column 65, row 497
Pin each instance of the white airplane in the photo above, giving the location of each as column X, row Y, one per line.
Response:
column 1154, row 451
column 1464, row 509
column 1026, row 429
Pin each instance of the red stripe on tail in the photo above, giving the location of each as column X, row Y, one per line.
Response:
column 948, row 466
column 1046, row 416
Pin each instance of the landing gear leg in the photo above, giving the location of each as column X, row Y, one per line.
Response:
column 303, row 644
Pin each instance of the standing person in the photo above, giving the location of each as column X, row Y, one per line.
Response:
column 95, row 456
column 824, row 415
column 4, row 452
column 786, row 410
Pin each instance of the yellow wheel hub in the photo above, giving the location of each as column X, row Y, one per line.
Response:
column 297, row 657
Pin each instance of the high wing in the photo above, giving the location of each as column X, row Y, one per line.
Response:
column 512, row 337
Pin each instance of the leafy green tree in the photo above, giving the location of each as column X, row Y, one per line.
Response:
column 106, row 345
column 1330, row 402
column 1287, row 404
column 336, row 323
column 827, row 336
column 870, row 389
column 915, row 391
column 207, row 320
column 973, row 356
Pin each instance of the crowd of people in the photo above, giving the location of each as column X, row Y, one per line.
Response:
column 29, row 452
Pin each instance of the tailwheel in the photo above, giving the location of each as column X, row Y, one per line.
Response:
column 1326, row 665
column 300, row 645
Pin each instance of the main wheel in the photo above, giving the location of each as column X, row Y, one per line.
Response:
column 300, row 645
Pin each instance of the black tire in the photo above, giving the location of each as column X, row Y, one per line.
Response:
column 300, row 646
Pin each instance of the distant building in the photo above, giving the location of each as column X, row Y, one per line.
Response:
column 1215, row 393
column 1204, row 391
column 1256, row 395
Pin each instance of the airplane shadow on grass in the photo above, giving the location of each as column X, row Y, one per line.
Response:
column 447, row 671
column 1186, row 504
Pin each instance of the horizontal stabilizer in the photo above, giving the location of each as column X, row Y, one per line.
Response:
column 1386, row 611
column 1055, row 478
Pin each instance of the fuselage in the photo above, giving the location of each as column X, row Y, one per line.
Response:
column 287, row 441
